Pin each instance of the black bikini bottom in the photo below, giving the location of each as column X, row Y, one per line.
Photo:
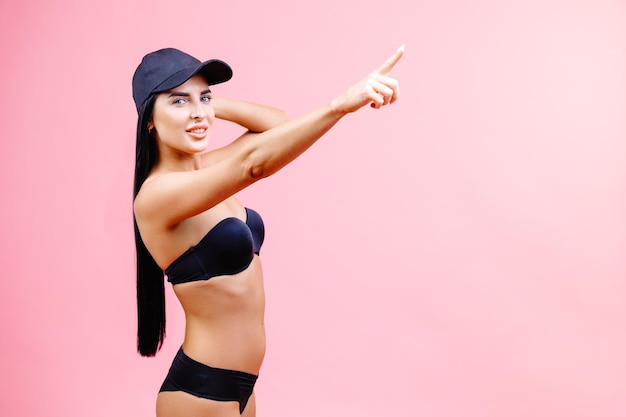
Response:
column 205, row 381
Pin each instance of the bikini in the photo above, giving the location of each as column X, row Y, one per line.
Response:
column 227, row 249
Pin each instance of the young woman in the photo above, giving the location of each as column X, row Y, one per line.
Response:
column 190, row 227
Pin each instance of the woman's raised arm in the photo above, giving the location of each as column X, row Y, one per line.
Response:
column 254, row 117
column 188, row 193
column 275, row 148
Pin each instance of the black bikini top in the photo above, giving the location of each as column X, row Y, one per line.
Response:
column 227, row 249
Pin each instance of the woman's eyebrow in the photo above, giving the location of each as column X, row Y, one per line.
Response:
column 183, row 94
column 178, row 94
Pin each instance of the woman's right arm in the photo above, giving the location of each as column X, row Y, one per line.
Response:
column 174, row 197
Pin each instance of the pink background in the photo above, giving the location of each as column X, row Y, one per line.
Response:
column 461, row 253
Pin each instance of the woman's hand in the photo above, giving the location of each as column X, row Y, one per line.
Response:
column 377, row 89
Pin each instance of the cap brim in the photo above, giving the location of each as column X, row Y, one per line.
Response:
column 214, row 71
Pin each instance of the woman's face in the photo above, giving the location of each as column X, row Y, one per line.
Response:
column 182, row 117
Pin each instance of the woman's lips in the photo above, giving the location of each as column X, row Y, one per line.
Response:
column 198, row 131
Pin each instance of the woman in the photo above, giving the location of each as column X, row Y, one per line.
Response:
column 189, row 225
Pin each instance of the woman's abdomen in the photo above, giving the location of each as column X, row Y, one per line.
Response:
column 225, row 320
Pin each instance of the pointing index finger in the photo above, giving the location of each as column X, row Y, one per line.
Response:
column 391, row 62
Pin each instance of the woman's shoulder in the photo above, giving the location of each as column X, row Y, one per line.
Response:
column 152, row 187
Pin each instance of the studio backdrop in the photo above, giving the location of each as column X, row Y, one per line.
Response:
column 461, row 252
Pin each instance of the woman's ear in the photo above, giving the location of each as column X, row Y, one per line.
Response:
column 150, row 126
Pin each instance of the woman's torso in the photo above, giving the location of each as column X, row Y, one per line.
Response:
column 225, row 313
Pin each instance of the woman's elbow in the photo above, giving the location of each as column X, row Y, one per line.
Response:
column 279, row 117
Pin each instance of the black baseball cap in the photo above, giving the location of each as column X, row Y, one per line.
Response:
column 167, row 68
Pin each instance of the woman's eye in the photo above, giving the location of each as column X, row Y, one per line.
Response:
column 179, row 101
column 205, row 99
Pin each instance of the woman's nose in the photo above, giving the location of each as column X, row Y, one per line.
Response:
column 197, row 112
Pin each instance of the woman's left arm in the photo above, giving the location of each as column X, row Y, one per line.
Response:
column 254, row 117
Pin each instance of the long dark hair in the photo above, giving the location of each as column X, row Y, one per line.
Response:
column 150, row 277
